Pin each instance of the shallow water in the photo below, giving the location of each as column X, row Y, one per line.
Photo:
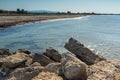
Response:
column 99, row 33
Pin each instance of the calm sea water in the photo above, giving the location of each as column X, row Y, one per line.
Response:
column 99, row 33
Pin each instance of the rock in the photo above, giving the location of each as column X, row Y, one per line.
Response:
column 24, row 51
column 29, row 61
column 105, row 70
column 29, row 58
column 35, row 64
column 5, row 52
column 73, row 68
column 53, row 67
column 14, row 61
column 47, row 76
column 53, row 54
column 83, row 53
column 26, row 73
column 42, row 59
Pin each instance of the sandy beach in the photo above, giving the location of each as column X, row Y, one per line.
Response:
column 8, row 21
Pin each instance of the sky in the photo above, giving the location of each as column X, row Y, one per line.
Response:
column 98, row 6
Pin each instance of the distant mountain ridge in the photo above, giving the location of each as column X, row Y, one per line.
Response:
column 42, row 11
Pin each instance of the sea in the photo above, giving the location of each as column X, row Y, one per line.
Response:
column 100, row 33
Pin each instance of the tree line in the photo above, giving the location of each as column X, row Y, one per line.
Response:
column 22, row 11
column 18, row 11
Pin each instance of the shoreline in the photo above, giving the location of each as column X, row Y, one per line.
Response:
column 80, row 62
column 12, row 21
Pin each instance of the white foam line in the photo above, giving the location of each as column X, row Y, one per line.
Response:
column 64, row 19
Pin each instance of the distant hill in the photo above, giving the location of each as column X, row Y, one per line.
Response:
column 42, row 11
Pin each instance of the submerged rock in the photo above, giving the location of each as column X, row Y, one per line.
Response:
column 105, row 70
column 53, row 54
column 73, row 68
column 42, row 59
column 83, row 53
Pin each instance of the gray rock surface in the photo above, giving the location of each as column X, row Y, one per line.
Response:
column 53, row 67
column 42, row 59
column 83, row 53
column 53, row 54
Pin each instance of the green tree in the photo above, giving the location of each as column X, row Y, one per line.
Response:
column 1, row 11
column 22, row 10
column 18, row 10
column 68, row 12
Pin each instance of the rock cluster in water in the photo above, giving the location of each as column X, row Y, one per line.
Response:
column 78, row 64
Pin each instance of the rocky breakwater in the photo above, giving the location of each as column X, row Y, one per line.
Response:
column 78, row 64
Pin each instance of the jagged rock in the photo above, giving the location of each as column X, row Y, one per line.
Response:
column 47, row 76
column 53, row 67
column 105, row 70
column 26, row 73
column 13, row 61
column 42, row 59
column 53, row 54
column 83, row 53
column 5, row 52
column 73, row 68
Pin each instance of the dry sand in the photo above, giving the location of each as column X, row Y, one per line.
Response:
column 8, row 21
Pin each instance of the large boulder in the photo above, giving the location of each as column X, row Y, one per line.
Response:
column 83, row 53
column 42, row 59
column 73, row 68
column 26, row 73
column 105, row 70
column 53, row 54
column 13, row 61
column 47, row 76
column 53, row 67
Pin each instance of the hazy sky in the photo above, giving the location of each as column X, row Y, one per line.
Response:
column 103, row 6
